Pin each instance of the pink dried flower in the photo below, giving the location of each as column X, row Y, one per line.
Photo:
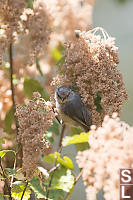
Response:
column 91, row 68
column 111, row 148
column 37, row 25
column 34, row 119
column 70, row 15
column 10, row 12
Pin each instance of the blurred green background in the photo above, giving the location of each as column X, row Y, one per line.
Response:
column 116, row 17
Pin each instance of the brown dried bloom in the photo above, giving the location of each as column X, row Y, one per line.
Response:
column 34, row 24
column 91, row 68
column 10, row 12
column 34, row 119
column 111, row 148
column 69, row 15
column 37, row 24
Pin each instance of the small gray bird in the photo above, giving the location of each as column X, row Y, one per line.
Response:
column 71, row 109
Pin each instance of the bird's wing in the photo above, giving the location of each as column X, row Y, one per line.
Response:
column 87, row 117
column 79, row 113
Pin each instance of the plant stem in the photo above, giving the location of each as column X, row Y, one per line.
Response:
column 59, row 151
column 61, row 138
column 14, row 167
column 75, row 182
column 6, row 180
column 12, row 86
column 13, row 99
column 56, row 117
column 24, row 190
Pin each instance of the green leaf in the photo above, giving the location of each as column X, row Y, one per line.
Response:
column 83, row 137
column 4, row 197
column 61, row 62
column 65, row 161
column 63, row 179
column 70, row 192
column 75, row 131
column 9, row 119
column 57, row 53
column 97, row 102
column 11, row 171
column 53, row 195
column 32, row 85
column 38, row 67
column 79, row 146
column 49, row 136
column 15, row 80
column 17, row 190
column 6, row 67
column 36, row 187
column 57, row 194
column 1, row 142
column 55, row 128
column 29, row 3
column 2, row 153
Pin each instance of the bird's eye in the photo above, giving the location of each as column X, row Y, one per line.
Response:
column 58, row 95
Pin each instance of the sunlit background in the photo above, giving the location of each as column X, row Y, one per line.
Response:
column 116, row 17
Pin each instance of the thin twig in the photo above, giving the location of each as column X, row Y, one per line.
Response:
column 78, row 177
column 13, row 96
column 12, row 86
column 54, row 168
column 56, row 116
column 50, row 182
column 61, row 138
column 14, row 167
column 59, row 151
column 24, row 190
column 6, row 180
column 75, row 182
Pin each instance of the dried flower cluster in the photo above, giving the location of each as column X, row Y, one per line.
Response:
column 111, row 148
column 34, row 119
column 10, row 12
column 91, row 68
column 69, row 15
column 34, row 25
column 37, row 23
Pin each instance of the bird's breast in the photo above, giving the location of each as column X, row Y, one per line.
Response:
column 60, row 109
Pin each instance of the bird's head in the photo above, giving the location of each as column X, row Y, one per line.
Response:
column 63, row 94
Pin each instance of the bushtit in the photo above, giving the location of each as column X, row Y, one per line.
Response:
column 71, row 109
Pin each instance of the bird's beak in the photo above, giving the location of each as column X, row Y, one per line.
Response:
column 62, row 99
